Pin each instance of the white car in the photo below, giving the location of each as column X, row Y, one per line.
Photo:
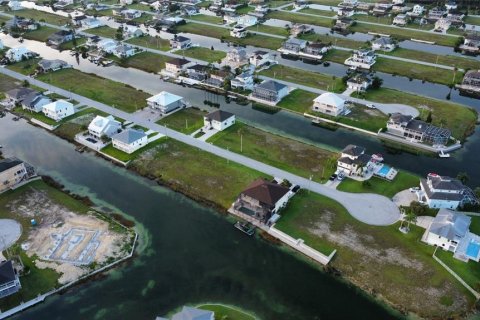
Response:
column 371, row 106
column 415, row 189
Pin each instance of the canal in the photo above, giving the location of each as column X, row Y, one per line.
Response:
column 188, row 254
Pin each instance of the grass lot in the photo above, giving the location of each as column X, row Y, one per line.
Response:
column 24, row 67
column 472, row 20
column 70, row 45
column 185, row 121
column 146, row 61
column 402, row 181
column 112, row 93
column 244, row 10
column 206, row 18
column 208, row 177
column 417, row 71
column 459, row 119
column 270, row 29
column 381, row 259
column 40, row 116
column 41, row 34
column 298, row 100
column 151, row 42
column 319, row 12
column 144, row 18
column 405, row 34
column 291, row 155
column 278, row 3
column 469, row 272
column 207, row 31
column 226, row 312
column 205, row 54
column 300, row 18
column 125, row 157
column 335, row 41
column 338, row 56
column 43, row 17
column 103, row 31
column 306, row 78
column 139, row 6
column 7, row 83
column 447, row 60
column 101, row 13
column 369, row 18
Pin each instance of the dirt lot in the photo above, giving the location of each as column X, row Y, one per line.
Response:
column 66, row 241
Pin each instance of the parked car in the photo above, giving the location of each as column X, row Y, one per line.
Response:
column 371, row 106
column 415, row 189
column 340, row 177
column 333, row 177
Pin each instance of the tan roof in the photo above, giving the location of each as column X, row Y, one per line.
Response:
column 266, row 192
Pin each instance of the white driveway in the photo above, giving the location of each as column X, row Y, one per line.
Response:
column 10, row 231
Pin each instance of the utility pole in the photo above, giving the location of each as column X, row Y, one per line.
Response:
column 241, row 143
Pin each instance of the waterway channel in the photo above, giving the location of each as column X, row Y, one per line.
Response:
column 188, row 254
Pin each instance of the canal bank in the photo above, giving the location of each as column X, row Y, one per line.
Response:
column 208, row 261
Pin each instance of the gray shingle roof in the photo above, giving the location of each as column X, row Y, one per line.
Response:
column 129, row 136
column 353, row 150
column 449, row 224
column 219, row 115
column 7, row 274
column 271, row 85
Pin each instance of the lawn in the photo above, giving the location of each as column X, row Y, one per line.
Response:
column 26, row 67
column 329, row 13
column 116, row 94
column 146, row 61
column 139, row 6
column 201, row 53
column 306, row 78
column 206, row 18
column 150, row 42
column 335, row 41
column 185, row 121
column 298, row 101
column 447, row 60
column 71, row 44
column 378, row 259
column 472, row 20
column 43, row 17
column 270, row 30
column 337, row 56
column 8, row 83
column 301, row 18
column 223, row 312
column 40, row 116
column 459, row 119
column 418, row 71
column 468, row 271
column 125, row 157
column 103, row 31
column 402, row 181
column 244, row 10
column 369, row 18
column 278, row 3
column 208, row 178
column 405, row 34
column 287, row 154
column 41, row 34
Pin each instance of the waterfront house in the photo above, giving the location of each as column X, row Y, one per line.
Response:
column 229, row 16
column 442, row 25
column 262, row 199
column 381, row 8
column 444, row 192
column 237, row 56
column 348, row 3
column 189, row 313
column 259, row 58
column 294, row 45
column 129, row 140
column 217, row 78
column 471, row 43
column 384, row 44
column 107, row 45
column 190, row 10
column 90, row 23
column 451, row 5
column 343, row 23
column 218, row 120
column 18, row 54
column 417, row 130
column 21, row 24
column 46, row 65
column 398, row 2
column 364, row 6
column 180, row 42
column 362, row 58
column 471, row 82
column 417, row 10
column 131, row 32
column 14, row 5
column 260, row 11
column 9, row 282
column 435, row 14
column 58, row 110
column 60, row 37
column 353, row 160
column 400, row 20
column 299, row 29
column 300, row 4
column 123, row 50
column 104, row 127
column 35, row 101
column 17, row 95
column 330, row 104
column 345, row 12
column 359, row 82
column 198, row 72
column 239, row 31
column 126, row 2
column 243, row 81
column 247, row 20
column 270, row 91
column 12, row 172
column 316, row 49
column 165, row 102
column 176, row 66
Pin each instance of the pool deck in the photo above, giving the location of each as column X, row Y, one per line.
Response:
column 465, row 246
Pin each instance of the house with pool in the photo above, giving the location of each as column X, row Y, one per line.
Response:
column 450, row 231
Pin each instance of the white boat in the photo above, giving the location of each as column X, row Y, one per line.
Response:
column 441, row 154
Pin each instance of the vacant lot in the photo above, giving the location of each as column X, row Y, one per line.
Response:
column 270, row 29
column 298, row 100
column 381, row 260
column 205, row 54
column 186, row 121
column 208, row 177
column 334, row 41
column 284, row 153
column 301, row 18
column 150, row 42
column 43, row 17
column 146, row 61
column 26, row 67
column 206, row 18
column 41, row 34
column 112, row 93
column 103, row 31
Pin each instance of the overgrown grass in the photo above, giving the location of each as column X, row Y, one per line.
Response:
column 150, row 42
column 43, row 17
column 186, row 121
column 468, row 271
column 298, row 100
column 103, row 31
column 270, row 29
column 300, row 18
column 206, row 18
column 204, row 54
column 25, row 67
column 41, row 34
column 146, row 61
column 329, row 13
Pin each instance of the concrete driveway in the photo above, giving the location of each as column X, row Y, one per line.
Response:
column 10, row 231
column 404, row 198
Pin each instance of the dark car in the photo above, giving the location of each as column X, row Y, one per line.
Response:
column 333, row 177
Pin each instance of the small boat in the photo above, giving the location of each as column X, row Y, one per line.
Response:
column 441, row 154
column 80, row 149
column 16, row 118
column 378, row 157
column 245, row 227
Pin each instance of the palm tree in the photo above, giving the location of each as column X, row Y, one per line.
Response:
column 410, row 217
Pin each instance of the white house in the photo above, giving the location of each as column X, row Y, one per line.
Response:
column 329, row 103
column 12, row 172
column 270, row 92
column 353, row 159
column 400, row 20
column 58, row 110
column 239, row 31
column 9, row 281
column 90, row 23
column 418, row 10
column 442, row 25
column 107, row 45
column 359, row 83
column 180, row 42
column 104, row 126
column 451, row 5
column 247, row 20
column 132, row 32
column 237, row 55
column 243, row 81
column 398, row 2
column 259, row 58
column 165, row 102
column 218, row 120
column 447, row 229
column 17, row 54
column 129, row 140
column 444, row 192
column 384, row 44
column 14, row 5
column 123, row 50
column 364, row 59
column 176, row 66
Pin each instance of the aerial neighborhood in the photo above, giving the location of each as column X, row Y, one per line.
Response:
column 341, row 132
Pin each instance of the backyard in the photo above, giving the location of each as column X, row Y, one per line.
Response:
column 298, row 100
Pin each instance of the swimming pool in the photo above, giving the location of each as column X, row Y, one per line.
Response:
column 473, row 249
column 384, row 170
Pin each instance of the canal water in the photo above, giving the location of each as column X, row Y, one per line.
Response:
column 188, row 254
column 283, row 122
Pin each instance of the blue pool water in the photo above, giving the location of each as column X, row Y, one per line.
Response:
column 383, row 171
column 473, row 249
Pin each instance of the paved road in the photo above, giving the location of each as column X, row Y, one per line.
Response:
column 369, row 208
column 384, row 107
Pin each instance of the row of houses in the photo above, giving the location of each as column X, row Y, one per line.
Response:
column 299, row 47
